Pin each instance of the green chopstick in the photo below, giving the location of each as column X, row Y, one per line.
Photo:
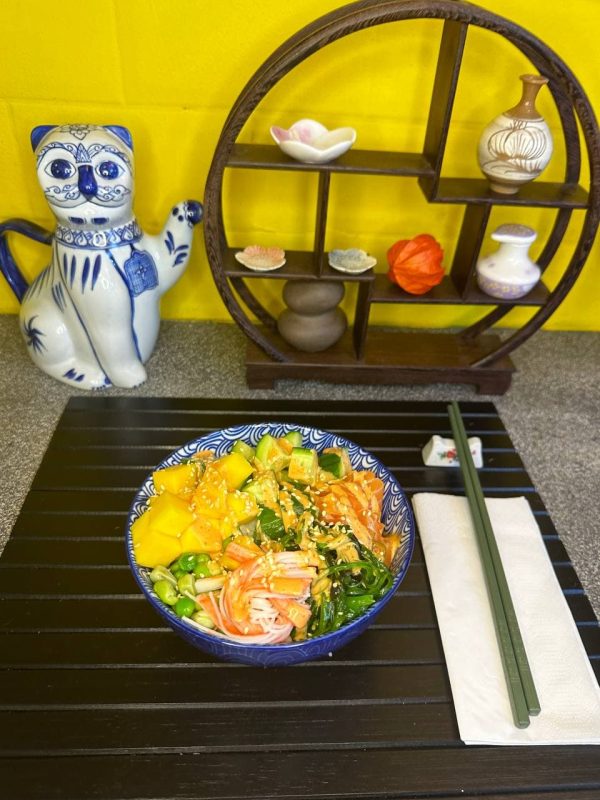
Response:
column 533, row 703
column 522, row 694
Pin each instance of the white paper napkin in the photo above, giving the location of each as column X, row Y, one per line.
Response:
column 567, row 688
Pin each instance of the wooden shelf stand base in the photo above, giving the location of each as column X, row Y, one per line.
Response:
column 390, row 358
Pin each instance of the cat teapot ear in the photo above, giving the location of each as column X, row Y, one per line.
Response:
column 123, row 134
column 38, row 133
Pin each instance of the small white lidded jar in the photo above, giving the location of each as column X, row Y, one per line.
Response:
column 509, row 273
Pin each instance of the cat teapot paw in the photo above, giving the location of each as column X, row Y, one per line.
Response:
column 193, row 211
column 190, row 210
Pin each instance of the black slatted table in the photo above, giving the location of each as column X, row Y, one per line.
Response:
column 98, row 699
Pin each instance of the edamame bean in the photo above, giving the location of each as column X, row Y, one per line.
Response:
column 202, row 570
column 184, row 607
column 202, row 618
column 166, row 592
column 187, row 561
column 186, row 583
column 161, row 573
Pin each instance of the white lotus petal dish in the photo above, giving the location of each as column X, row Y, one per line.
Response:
column 261, row 259
column 352, row 261
column 311, row 143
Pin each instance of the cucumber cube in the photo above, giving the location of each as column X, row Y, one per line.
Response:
column 271, row 454
column 304, row 465
column 243, row 449
column 294, row 438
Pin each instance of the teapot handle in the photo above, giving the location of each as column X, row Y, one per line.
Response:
column 8, row 265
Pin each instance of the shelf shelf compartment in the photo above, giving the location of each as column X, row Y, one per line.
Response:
column 365, row 162
column 299, row 265
column 477, row 190
column 384, row 291
column 391, row 357
column 473, row 295
column 446, row 293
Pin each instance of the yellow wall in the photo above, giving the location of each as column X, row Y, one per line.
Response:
column 171, row 69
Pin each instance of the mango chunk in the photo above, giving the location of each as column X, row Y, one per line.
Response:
column 210, row 497
column 230, row 563
column 156, row 548
column 235, row 469
column 202, row 536
column 170, row 514
column 174, row 479
column 140, row 527
column 242, row 507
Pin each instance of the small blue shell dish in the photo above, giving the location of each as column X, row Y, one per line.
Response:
column 353, row 260
column 397, row 517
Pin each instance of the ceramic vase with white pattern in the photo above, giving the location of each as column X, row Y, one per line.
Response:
column 516, row 146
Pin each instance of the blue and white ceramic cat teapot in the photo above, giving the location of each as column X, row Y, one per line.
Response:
column 91, row 318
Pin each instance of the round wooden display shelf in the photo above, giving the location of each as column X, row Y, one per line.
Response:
column 373, row 355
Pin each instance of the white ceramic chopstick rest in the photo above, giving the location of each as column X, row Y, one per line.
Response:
column 440, row 452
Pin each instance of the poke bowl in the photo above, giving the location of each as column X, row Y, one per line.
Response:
column 269, row 573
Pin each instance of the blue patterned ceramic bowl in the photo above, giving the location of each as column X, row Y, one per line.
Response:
column 397, row 516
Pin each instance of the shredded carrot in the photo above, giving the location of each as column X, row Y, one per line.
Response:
column 355, row 500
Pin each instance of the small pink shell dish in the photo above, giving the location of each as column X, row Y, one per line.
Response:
column 261, row 259
column 310, row 142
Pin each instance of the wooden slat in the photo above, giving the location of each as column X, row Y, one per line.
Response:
column 82, row 525
column 98, row 648
column 189, row 420
column 132, row 611
column 29, row 544
column 207, row 685
column 111, row 552
column 58, row 582
column 201, row 730
column 106, row 501
column 148, row 646
column 69, row 525
column 424, row 772
column 312, row 408
column 582, row 610
column 74, row 614
column 173, row 438
column 149, row 457
column 130, row 478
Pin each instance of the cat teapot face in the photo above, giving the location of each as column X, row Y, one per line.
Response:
column 86, row 172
